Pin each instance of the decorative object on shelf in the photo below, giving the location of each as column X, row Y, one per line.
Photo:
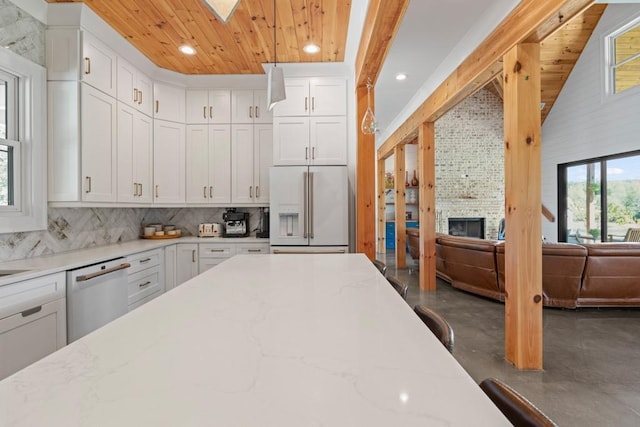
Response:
column 406, row 179
column 389, row 180
column 414, row 181
column 275, row 78
column 369, row 124
column 222, row 9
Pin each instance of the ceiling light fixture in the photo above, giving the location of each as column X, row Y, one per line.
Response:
column 223, row 9
column 311, row 48
column 369, row 125
column 401, row 76
column 187, row 50
column 275, row 76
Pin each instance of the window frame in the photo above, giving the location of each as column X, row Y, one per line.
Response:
column 30, row 213
column 610, row 61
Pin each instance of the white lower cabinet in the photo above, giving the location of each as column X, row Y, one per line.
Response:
column 186, row 262
column 33, row 321
column 145, row 277
column 212, row 254
column 170, row 267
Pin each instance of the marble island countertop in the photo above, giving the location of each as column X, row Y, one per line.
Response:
column 46, row 264
column 260, row 340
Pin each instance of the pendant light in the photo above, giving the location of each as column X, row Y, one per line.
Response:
column 275, row 76
column 223, row 9
column 369, row 124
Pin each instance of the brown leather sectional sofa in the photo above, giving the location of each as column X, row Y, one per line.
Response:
column 588, row 275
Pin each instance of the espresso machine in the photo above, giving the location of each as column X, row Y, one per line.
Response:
column 236, row 224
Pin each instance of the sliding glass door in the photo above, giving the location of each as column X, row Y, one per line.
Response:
column 599, row 199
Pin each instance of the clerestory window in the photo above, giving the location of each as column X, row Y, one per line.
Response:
column 624, row 58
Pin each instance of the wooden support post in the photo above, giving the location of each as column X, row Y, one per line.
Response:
column 523, row 244
column 427, row 201
column 382, row 247
column 365, row 183
column 401, row 208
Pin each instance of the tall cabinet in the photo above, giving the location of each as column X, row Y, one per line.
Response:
column 252, row 154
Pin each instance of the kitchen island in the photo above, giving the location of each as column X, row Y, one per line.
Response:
column 260, row 340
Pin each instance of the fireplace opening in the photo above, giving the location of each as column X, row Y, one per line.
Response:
column 467, row 227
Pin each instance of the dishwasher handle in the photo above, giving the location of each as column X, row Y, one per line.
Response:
column 86, row 277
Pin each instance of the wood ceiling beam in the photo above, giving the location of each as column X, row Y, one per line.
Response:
column 530, row 21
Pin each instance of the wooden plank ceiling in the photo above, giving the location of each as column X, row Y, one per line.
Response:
column 158, row 27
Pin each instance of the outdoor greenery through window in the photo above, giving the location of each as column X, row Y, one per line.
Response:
column 599, row 199
column 9, row 146
column 625, row 58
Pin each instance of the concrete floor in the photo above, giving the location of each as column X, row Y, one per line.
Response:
column 591, row 373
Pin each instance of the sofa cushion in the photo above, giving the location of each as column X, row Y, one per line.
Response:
column 612, row 275
column 562, row 268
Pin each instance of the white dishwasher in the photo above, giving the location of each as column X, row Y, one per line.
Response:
column 96, row 295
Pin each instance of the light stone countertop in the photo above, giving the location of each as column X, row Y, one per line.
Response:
column 259, row 340
column 47, row 264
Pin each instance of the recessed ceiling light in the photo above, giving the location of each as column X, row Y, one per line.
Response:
column 187, row 50
column 311, row 48
column 401, row 76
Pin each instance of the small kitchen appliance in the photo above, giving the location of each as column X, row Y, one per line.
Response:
column 210, row 230
column 236, row 224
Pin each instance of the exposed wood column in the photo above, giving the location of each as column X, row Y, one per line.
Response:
column 401, row 208
column 427, row 201
column 523, row 244
column 382, row 248
column 365, row 185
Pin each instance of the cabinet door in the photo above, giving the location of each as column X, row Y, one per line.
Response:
column 207, row 263
column 242, row 188
column 291, row 141
column 219, row 106
column 242, row 106
column 144, row 85
column 328, row 97
column 198, row 106
column 261, row 114
column 127, row 91
column 328, row 140
column 169, row 102
column 142, row 156
column 297, row 101
column 263, row 160
column 168, row 162
column 29, row 336
column 197, row 166
column 219, row 163
column 127, row 185
column 99, row 65
column 63, row 53
column 170, row 265
column 186, row 262
column 99, row 131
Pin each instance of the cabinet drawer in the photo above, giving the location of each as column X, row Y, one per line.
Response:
column 144, row 283
column 252, row 248
column 143, row 260
column 216, row 250
column 26, row 294
column 144, row 300
column 31, row 335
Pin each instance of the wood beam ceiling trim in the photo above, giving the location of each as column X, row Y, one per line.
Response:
column 380, row 27
column 530, row 20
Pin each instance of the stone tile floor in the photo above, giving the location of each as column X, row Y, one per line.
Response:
column 591, row 373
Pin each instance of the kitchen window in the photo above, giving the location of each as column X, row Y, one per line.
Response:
column 623, row 51
column 23, row 118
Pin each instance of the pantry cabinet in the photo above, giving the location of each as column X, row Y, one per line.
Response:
column 169, row 102
column 208, row 163
column 135, row 146
column 313, row 97
column 252, row 156
column 134, row 87
column 208, row 106
column 168, row 162
column 250, row 106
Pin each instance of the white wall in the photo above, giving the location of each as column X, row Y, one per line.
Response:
column 584, row 122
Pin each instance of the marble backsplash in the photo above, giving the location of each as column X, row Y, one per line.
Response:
column 79, row 228
column 21, row 33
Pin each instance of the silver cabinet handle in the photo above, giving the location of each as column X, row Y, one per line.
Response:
column 311, row 204
column 211, row 192
column 257, row 112
column 251, row 112
column 204, row 191
column 86, row 277
column 31, row 311
column 204, row 112
column 88, row 68
column 306, row 100
column 142, row 285
column 193, row 255
column 88, row 190
column 304, row 203
column 157, row 107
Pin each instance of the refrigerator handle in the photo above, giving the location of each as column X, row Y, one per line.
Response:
column 304, row 202
column 311, row 204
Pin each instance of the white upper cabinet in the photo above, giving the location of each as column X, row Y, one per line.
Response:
column 134, row 87
column 313, row 97
column 252, row 156
column 208, row 106
column 169, row 102
column 98, row 64
column 135, row 146
column 310, row 140
column 168, row 162
column 250, row 106
column 208, row 164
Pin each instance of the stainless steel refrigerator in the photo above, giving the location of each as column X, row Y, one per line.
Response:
column 309, row 209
